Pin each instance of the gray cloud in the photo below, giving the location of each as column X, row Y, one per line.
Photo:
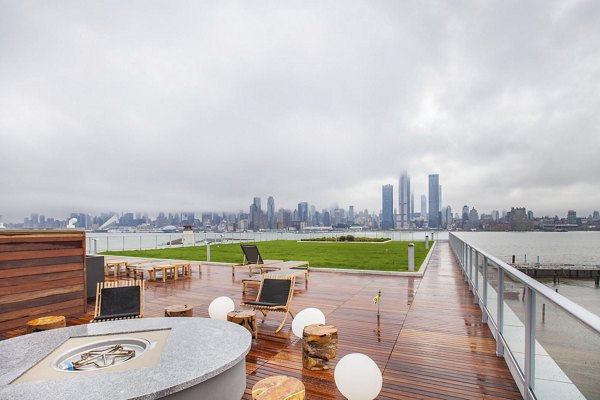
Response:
column 201, row 106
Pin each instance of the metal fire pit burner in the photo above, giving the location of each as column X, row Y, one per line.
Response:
column 101, row 354
column 103, row 357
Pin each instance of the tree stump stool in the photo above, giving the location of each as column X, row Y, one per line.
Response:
column 279, row 387
column 179, row 310
column 320, row 346
column 245, row 318
column 46, row 323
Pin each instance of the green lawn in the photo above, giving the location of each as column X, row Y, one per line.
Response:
column 390, row 256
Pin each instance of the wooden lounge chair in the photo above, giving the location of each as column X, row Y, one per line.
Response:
column 252, row 259
column 275, row 294
column 119, row 300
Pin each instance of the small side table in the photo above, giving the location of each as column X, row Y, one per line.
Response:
column 278, row 387
column 320, row 346
column 179, row 310
column 245, row 318
column 46, row 323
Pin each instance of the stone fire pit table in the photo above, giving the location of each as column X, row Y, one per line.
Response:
column 196, row 357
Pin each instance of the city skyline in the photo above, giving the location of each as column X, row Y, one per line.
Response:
column 200, row 105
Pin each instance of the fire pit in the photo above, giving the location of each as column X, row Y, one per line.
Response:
column 144, row 358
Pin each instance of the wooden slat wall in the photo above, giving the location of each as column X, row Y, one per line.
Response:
column 41, row 273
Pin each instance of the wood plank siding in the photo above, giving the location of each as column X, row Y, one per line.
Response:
column 41, row 273
column 429, row 341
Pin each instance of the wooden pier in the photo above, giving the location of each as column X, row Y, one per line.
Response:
column 558, row 271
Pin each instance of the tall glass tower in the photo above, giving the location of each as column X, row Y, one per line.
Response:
column 434, row 201
column 387, row 207
column 404, row 201
column 271, row 212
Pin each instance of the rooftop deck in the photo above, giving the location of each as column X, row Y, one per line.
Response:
column 429, row 341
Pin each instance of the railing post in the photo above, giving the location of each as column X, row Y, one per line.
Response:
column 123, row 243
column 484, row 315
column 140, row 242
column 500, row 316
column 529, row 373
column 476, row 285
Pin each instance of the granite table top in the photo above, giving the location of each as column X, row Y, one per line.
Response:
column 196, row 350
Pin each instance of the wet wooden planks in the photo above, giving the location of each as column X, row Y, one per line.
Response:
column 428, row 341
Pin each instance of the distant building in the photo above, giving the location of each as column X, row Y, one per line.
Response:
column 517, row 218
column 412, row 207
column 448, row 213
column 434, row 201
column 571, row 217
column 351, row 215
column 465, row 216
column 495, row 215
column 423, row 206
column 404, row 201
column 255, row 215
column 303, row 212
column 387, row 207
column 271, row 223
column 473, row 219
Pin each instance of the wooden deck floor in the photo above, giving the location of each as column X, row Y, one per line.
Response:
column 429, row 341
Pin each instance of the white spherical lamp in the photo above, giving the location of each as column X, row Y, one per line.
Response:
column 358, row 377
column 219, row 308
column 308, row 316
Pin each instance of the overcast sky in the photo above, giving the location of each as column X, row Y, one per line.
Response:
column 174, row 106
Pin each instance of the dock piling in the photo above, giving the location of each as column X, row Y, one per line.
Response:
column 544, row 312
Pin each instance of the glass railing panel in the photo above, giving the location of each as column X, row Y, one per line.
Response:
column 492, row 292
column 479, row 280
column 567, row 355
column 514, row 315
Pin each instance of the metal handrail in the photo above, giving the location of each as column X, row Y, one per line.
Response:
column 584, row 316
column 525, row 378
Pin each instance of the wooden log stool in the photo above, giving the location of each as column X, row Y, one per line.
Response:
column 46, row 323
column 320, row 346
column 279, row 387
column 245, row 318
column 179, row 310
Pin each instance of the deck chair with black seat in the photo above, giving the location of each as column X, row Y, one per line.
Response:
column 119, row 300
column 252, row 259
column 275, row 294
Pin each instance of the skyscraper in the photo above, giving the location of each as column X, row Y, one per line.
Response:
column 271, row 212
column 387, row 207
column 303, row 211
column 351, row 215
column 404, row 200
column 434, row 201
column 423, row 206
